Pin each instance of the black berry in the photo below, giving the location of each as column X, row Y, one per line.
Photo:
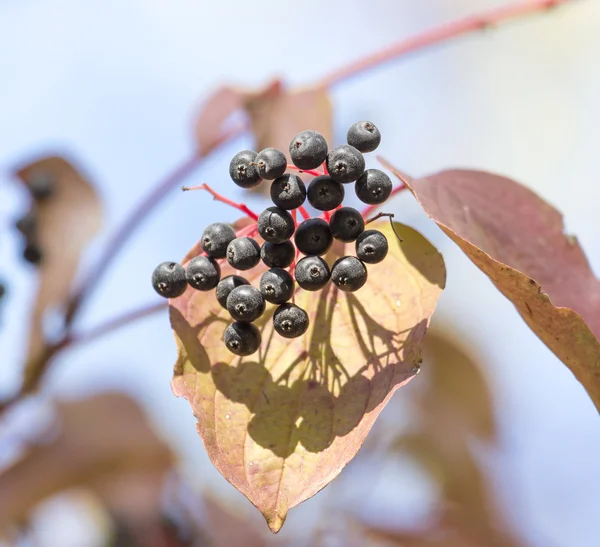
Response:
column 245, row 303
column 371, row 246
column 243, row 169
column 275, row 225
column 312, row 273
column 288, row 191
column 313, row 237
column 346, row 224
column 203, row 273
column 278, row 255
column 2, row 290
column 243, row 253
column 308, row 150
column 277, row 286
column 215, row 239
column 168, row 280
column 349, row 274
column 241, row 338
column 364, row 136
column 41, row 185
column 32, row 253
column 271, row 163
column 345, row 163
column 324, row 193
column 27, row 224
column 226, row 285
column 290, row 321
column 373, row 187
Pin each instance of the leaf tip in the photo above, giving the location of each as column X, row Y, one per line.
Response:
column 275, row 520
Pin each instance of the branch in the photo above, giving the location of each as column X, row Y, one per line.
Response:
column 116, row 323
column 440, row 34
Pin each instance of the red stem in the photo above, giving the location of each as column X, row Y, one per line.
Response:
column 218, row 197
column 312, row 172
column 368, row 211
column 304, row 212
column 325, row 170
column 440, row 34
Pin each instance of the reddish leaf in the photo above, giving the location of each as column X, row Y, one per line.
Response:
column 66, row 221
column 276, row 114
column 215, row 112
column 517, row 240
column 102, row 440
column 281, row 424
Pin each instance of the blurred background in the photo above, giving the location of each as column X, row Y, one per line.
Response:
column 494, row 436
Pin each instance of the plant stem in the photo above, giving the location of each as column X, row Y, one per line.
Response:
column 368, row 211
column 218, row 197
column 303, row 212
column 312, row 172
column 440, row 34
column 116, row 323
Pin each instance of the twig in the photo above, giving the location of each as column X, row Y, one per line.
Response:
column 367, row 211
column 442, row 33
column 391, row 217
column 218, row 197
column 312, row 172
column 116, row 323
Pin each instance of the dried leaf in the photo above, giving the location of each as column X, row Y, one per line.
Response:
column 281, row 424
column 517, row 240
column 66, row 221
column 276, row 114
column 215, row 112
column 101, row 438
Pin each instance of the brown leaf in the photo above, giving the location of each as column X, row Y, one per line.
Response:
column 282, row 423
column 66, row 221
column 215, row 112
column 276, row 114
column 517, row 240
column 100, row 438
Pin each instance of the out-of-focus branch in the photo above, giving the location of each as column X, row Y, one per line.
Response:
column 438, row 35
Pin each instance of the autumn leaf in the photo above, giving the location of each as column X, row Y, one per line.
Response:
column 276, row 114
column 66, row 221
column 101, row 442
column 282, row 423
column 518, row 241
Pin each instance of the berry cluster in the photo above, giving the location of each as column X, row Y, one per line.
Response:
column 42, row 187
column 277, row 226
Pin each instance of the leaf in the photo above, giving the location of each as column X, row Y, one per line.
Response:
column 214, row 114
column 66, row 221
column 276, row 114
column 100, row 439
column 517, row 240
column 282, row 423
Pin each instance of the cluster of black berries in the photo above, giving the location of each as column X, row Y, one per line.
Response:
column 41, row 186
column 276, row 225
